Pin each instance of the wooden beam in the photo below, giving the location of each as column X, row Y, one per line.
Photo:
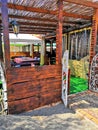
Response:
column 5, row 23
column 41, row 28
column 28, row 28
column 38, row 30
column 76, row 15
column 84, row 3
column 59, row 32
column 37, row 24
column 32, row 32
column 32, row 18
column 45, row 11
column 49, row 20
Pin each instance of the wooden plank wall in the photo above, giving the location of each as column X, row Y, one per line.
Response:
column 33, row 87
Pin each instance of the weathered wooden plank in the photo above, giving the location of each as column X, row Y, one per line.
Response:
column 23, row 90
column 48, row 98
column 23, row 105
column 29, row 73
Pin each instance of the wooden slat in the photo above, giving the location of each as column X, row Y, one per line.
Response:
column 46, row 98
column 29, row 73
column 84, row 3
column 23, row 105
column 23, row 90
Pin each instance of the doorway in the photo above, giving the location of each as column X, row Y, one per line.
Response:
column 79, row 44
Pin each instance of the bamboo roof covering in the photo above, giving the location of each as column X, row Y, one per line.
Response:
column 40, row 16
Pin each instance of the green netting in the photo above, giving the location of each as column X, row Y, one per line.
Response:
column 78, row 85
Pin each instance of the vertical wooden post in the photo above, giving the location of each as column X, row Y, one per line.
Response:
column 38, row 47
column 51, row 46
column 59, row 32
column 94, row 35
column 32, row 50
column 1, row 51
column 42, row 54
column 5, row 23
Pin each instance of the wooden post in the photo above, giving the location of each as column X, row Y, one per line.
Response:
column 51, row 46
column 38, row 47
column 94, row 35
column 32, row 50
column 1, row 51
column 59, row 32
column 5, row 23
column 42, row 54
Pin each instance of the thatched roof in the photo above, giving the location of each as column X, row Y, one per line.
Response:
column 40, row 16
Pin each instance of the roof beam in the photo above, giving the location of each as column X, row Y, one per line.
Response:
column 37, row 28
column 40, row 10
column 32, row 18
column 31, row 32
column 37, row 24
column 34, row 30
column 76, row 15
column 44, row 19
column 84, row 3
column 22, row 32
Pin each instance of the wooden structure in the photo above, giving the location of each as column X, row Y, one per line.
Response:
column 29, row 88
